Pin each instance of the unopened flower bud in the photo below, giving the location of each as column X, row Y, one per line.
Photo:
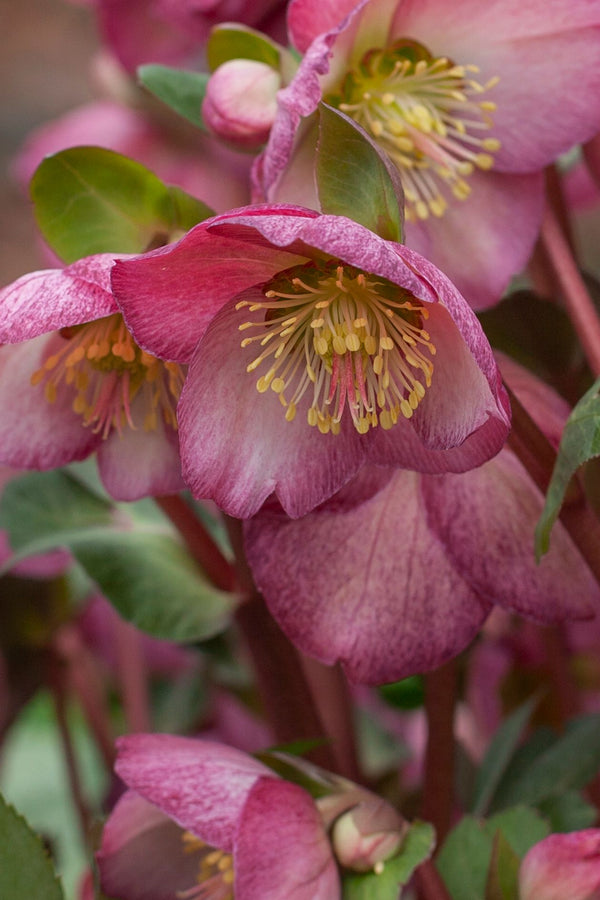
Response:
column 368, row 834
column 561, row 866
column 240, row 101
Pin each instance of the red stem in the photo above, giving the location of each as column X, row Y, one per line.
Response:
column 199, row 542
column 430, row 884
column 58, row 693
column 438, row 788
column 132, row 676
column 577, row 300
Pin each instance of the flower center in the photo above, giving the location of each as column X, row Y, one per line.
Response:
column 215, row 872
column 106, row 370
column 428, row 115
column 349, row 339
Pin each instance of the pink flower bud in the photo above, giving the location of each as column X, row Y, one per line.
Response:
column 561, row 866
column 368, row 834
column 240, row 101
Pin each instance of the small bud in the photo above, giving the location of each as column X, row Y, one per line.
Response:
column 368, row 834
column 240, row 101
column 562, row 866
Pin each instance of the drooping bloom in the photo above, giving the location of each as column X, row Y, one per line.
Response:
column 247, row 831
column 562, row 865
column 414, row 570
column 464, row 100
column 73, row 381
column 314, row 346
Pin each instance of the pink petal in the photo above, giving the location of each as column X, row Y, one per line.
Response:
column 236, row 446
column 486, row 520
column 168, row 297
column 281, row 849
column 561, row 866
column 138, row 463
column 142, row 856
column 480, row 252
column 201, row 785
column 369, row 586
column 36, row 434
column 55, row 298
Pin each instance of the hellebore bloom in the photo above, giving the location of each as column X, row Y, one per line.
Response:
column 74, row 381
column 561, row 866
column 314, row 346
column 462, row 99
column 415, row 568
column 253, row 834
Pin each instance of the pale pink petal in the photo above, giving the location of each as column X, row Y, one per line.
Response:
column 236, row 445
column 55, row 298
column 486, row 520
column 36, row 434
column 142, row 855
column 281, row 848
column 201, row 785
column 480, row 252
column 137, row 463
column 370, row 587
column 561, row 866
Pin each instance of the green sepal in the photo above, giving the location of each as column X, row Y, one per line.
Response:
column 180, row 90
column 503, row 874
column 90, row 200
column 355, row 178
column 417, row 847
column 235, row 41
column 580, row 442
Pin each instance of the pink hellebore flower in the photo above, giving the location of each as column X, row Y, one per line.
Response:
column 252, row 834
column 562, row 866
column 464, row 98
column 74, row 381
column 413, row 571
column 314, row 346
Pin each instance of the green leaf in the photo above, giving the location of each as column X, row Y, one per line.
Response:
column 409, row 693
column 580, row 441
column 182, row 91
column 570, row 762
column 136, row 559
column 464, row 859
column 521, row 826
column 503, row 874
column 417, row 847
column 355, row 178
column 498, row 756
column 239, row 42
column 26, row 872
column 90, row 200
column 568, row 812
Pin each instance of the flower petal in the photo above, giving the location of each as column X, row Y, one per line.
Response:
column 236, row 446
column 281, row 849
column 142, row 853
column 200, row 784
column 369, row 586
column 486, row 519
column 55, row 298
column 562, row 865
column 36, row 434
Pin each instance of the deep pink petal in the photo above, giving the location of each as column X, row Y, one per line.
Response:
column 281, row 848
column 200, row 784
column 486, row 520
column 142, row 856
column 561, row 866
column 236, row 446
column 369, row 586
column 480, row 250
column 169, row 297
column 36, row 434
column 138, row 463
column 54, row 298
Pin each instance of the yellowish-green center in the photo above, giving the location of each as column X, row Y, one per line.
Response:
column 346, row 339
column 429, row 116
column 215, row 872
column 104, row 367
